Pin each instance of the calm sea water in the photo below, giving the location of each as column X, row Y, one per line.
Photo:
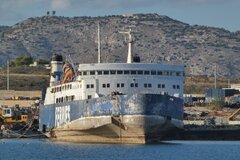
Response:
column 28, row 149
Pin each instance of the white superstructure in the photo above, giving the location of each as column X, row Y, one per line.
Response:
column 96, row 80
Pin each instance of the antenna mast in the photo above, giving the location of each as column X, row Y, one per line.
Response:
column 130, row 41
column 99, row 44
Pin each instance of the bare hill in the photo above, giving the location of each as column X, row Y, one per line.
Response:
column 157, row 39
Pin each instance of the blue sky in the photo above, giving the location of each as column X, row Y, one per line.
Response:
column 216, row 13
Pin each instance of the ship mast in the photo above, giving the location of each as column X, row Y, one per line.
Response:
column 99, row 44
column 130, row 41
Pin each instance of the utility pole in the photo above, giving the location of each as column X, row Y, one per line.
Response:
column 215, row 77
column 7, row 75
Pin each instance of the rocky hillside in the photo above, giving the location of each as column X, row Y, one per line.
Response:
column 157, row 39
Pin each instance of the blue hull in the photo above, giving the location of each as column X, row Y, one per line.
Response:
column 118, row 105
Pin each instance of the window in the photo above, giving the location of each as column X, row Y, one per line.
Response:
column 88, row 86
column 103, row 85
column 92, row 72
column 159, row 73
column 174, row 86
column 166, row 73
column 153, row 72
column 119, row 72
column 146, row 72
column 89, row 97
column 108, row 85
column 140, row 72
column 126, row 72
column 106, row 72
column 134, row 84
column 99, row 72
column 84, row 73
column 178, row 74
column 145, row 85
column 118, row 85
column 92, row 85
column 112, row 72
column 133, row 72
column 161, row 85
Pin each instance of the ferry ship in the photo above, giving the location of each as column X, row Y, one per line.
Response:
column 129, row 102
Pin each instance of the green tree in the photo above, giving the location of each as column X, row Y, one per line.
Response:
column 43, row 61
column 23, row 60
column 218, row 103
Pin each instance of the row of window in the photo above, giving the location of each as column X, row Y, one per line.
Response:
column 132, row 72
column 65, row 99
column 135, row 85
column 90, row 86
column 61, row 88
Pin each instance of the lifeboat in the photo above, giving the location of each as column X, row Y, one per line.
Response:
column 68, row 73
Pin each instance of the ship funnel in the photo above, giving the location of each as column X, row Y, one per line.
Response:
column 56, row 69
